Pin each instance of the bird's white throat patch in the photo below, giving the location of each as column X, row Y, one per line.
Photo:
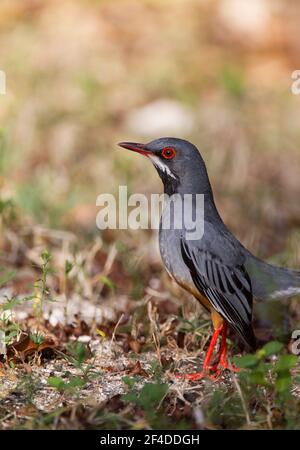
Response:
column 160, row 165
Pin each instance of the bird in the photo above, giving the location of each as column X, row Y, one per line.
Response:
column 223, row 275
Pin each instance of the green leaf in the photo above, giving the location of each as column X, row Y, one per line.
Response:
column 78, row 353
column 246, row 362
column 129, row 381
column 258, row 377
column 75, row 382
column 152, row 394
column 37, row 338
column 131, row 397
column 9, row 337
column 283, row 383
column 10, row 304
column 60, row 384
column 46, row 256
column 149, row 397
column 56, row 382
column 107, row 282
column 286, row 362
column 68, row 267
column 232, row 80
column 6, row 278
column 272, row 348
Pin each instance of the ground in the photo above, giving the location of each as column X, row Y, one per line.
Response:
column 68, row 362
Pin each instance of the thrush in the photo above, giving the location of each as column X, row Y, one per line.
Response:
column 215, row 268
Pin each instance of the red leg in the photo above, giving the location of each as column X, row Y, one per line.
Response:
column 223, row 363
column 211, row 348
column 223, row 351
column 206, row 363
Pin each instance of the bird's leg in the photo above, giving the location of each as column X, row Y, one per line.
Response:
column 206, row 363
column 223, row 362
column 211, row 347
column 214, row 370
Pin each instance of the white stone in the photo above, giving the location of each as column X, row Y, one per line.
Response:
column 161, row 117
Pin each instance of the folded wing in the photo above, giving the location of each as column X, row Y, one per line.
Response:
column 226, row 286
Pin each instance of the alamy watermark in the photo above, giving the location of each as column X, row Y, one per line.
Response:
column 295, row 347
column 2, row 82
column 295, row 88
column 178, row 212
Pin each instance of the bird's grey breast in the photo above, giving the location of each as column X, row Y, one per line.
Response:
column 170, row 249
column 216, row 241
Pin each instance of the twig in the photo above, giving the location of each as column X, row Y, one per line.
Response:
column 244, row 406
column 154, row 329
column 115, row 329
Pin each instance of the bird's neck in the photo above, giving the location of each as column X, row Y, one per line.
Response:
column 194, row 187
column 188, row 184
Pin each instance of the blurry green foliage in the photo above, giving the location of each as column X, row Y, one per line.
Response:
column 60, row 384
column 149, row 399
column 232, row 79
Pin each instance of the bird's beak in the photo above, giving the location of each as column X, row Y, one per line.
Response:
column 139, row 148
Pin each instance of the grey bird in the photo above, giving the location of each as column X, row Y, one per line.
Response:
column 215, row 267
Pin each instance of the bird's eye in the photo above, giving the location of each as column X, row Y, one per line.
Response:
column 168, row 153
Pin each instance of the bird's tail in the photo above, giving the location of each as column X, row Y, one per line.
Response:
column 270, row 282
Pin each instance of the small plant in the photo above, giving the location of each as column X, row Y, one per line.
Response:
column 37, row 338
column 42, row 293
column 263, row 372
column 8, row 213
column 28, row 386
column 6, row 277
column 10, row 328
column 267, row 375
column 106, row 281
column 225, row 410
column 77, row 354
column 71, row 385
column 194, row 329
column 149, row 400
column 195, row 326
column 68, row 268
column 156, row 370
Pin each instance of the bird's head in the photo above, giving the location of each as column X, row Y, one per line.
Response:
column 178, row 163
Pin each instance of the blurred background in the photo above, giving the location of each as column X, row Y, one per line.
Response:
column 84, row 75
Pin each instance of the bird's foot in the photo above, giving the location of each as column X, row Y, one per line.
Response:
column 191, row 376
column 211, row 372
column 224, row 365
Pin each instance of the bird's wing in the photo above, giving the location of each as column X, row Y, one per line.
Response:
column 226, row 286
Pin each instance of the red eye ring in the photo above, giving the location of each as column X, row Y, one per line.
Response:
column 168, row 152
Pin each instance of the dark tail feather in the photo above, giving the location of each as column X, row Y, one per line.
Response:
column 271, row 282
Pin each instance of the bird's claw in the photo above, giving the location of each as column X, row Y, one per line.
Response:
column 210, row 372
column 225, row 366
column 191, row 376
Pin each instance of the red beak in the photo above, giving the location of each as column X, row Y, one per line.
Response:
column 139, row 148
